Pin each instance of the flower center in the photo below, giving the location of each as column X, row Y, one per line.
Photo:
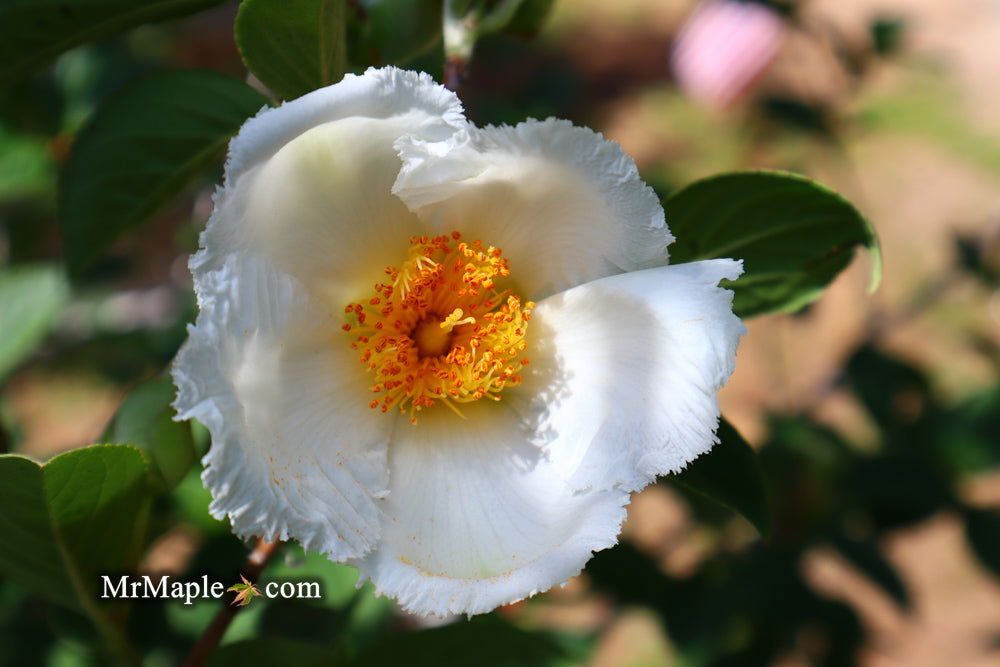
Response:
column 438, row 330
column 431, row 338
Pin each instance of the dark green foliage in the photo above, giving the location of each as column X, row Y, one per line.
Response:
column 393, row 32
column 743, row 610
column 81, row 513
column 749, row 608
column 983, row 530
column 969, row 434
column 33, row 33
column 866, row 556
column 896, row 394
column 730, row 475
column 294, row 46
column 887, row 35
column 493, row 642
column 973, row 258
column 529, row 19
column 272, row 652
column 141, row 148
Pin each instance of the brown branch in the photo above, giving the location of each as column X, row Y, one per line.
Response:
column 258, row 560
column 454, row 72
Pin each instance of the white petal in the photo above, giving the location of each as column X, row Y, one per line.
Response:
column 565, row 205
column 308, row 184
column 625, row 371
column 305, row 219
column 296, row 453
column 476, row 517
column 378, row 93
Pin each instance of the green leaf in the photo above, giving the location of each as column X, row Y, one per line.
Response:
column 865, row 556
column 493, row 642
column 294, row 46
column 793, row 235
column 392, row 32
column 982, row 528
column 730, row 475
column 64, row 523
column 191, row 499
column 145, row 419
column 140, row 148
column 31, row 297
column 34, row 32
column 82, row 513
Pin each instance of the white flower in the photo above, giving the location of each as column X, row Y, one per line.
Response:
column 342, row 268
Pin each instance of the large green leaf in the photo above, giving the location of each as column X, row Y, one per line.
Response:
column 31, row 297
column 145, row 420
column 33, row 32
column 392, row 32
column 730, row 475
column 293, row 46
column 140, row 148
column 793, row 235
column 65, row 523
column 82, row 513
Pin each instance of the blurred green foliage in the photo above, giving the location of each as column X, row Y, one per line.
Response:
column 752, row 607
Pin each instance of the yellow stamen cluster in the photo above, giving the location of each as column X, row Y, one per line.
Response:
column 438, row 329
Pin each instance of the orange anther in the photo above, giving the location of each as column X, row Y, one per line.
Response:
column 449, row 282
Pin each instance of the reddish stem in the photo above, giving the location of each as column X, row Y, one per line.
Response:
column 454, row 72
column 259, row 558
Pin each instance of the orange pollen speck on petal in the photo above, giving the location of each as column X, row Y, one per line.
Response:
column 438, row 330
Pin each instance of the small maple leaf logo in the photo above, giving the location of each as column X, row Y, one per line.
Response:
column 245, row 592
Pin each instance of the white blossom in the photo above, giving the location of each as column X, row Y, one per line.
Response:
column 443, row 354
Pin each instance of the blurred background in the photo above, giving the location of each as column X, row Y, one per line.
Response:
column 876, row 416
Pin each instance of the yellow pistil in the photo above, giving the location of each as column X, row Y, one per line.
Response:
column 438, row 330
